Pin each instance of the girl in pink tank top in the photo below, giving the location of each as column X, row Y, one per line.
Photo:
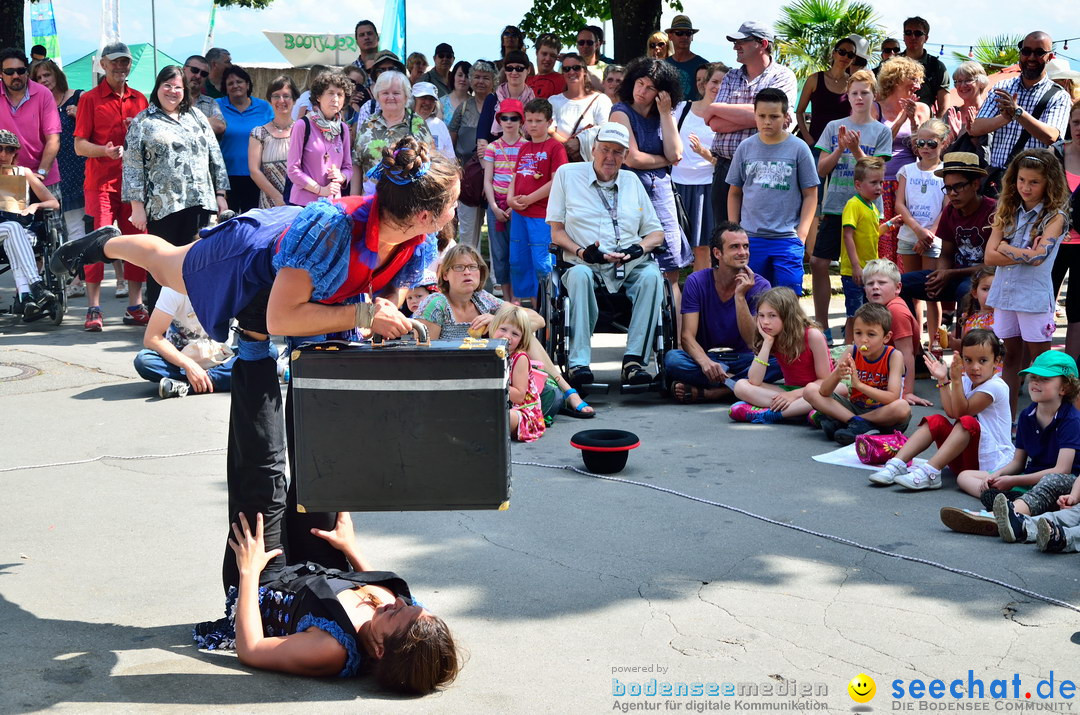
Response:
column 786, row 333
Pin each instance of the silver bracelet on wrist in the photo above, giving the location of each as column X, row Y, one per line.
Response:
column 365, row 312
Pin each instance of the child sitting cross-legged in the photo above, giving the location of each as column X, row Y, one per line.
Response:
column 1047, row 453
column 800, row 348
column 875, row 371
column 978, row 400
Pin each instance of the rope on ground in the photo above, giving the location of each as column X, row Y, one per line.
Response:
column 606, row 477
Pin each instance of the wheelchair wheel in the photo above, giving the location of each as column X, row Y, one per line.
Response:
column 52, row 281
column 665, row 337
column 543, row 307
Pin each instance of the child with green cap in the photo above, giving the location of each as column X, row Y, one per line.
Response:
column 1047, row 455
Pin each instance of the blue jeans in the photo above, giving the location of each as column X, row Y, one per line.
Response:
column 530, row 258
column 645, row 288
column 854, row 295
column 499, row 242
column 153, row 367
column 778, row 260
column 682, row 368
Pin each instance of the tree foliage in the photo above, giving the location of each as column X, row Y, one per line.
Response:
column 632, row 21
column 808, row 30
column 994, row 53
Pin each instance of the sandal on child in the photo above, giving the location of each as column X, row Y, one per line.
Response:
column 579, row 411
column 691, row 393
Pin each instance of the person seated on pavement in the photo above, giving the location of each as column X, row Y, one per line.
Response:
column 604, row 222
column 463, row 308
column 964, row 229
column 16, row 213
column 179, row 356
column 718, row 324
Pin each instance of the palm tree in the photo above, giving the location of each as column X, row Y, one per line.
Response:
column 994, row 53
column 808, row 30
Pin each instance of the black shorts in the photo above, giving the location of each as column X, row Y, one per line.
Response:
column 830, row 235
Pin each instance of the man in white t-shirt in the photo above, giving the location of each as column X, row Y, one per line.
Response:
column 179, row 355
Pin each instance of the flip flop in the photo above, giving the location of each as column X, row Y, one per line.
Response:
column 579, row 411
column 692, row 394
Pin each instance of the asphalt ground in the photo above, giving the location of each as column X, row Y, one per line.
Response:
column 583, row 586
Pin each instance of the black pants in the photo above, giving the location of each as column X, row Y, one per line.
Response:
column 179, row 229
column 243, row 194
column 1068, row 261
column 720, row 191
column 255, row 465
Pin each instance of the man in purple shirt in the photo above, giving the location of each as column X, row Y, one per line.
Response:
column 29, row 111
column 719, row 310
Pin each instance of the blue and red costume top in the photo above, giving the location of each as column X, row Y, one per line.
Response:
column 336, row 243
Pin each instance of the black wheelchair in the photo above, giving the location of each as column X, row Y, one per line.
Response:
column 614, row 312
column 46, row 233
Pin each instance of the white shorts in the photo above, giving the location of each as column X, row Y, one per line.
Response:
column 904, row 248
column 1032, row 327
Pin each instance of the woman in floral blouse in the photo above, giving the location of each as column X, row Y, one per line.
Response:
column 173, row 175
column 390, row 122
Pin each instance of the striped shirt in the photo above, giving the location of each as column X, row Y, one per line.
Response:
column 1055, row 115
column 504, row 156
column 737, row 88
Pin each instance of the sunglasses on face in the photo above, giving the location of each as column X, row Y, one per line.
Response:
column 1025, row 51
column 923, row 143
column 681, row 33
column 196, row 71
column 889, row 50
column 844, row 53
column 509, row 118
column 914, row 33
column 657, row 45
column 514, row 68
column 954, row 188
column 8, row 149
column 15, row 71
column 572, row 68
column 586, row 43
column 444, row 57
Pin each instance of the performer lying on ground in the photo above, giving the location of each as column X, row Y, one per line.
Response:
column 296, row 272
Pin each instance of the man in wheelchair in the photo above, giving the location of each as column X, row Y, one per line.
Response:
column 606, row 226
column 17, row 216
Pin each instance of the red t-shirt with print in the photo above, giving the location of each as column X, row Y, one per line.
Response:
column 537, row 163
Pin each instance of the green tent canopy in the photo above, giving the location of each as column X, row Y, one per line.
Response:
column 80, row 76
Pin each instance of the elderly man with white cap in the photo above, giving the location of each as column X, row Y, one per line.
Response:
column 731, row 115
column 604, row 222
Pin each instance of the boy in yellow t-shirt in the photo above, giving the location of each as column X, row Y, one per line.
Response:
column 862, row 226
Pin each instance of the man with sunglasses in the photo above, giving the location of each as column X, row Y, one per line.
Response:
column 964, row 229
column 439, row 75
column 681, row 33
column 196, row 70
column 32, row 116
column 590, row 42
column 935, row 86
column 1028, row 112
column 890, row 47
column 731, row 115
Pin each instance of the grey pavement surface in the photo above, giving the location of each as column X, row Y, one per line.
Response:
column 105, row 565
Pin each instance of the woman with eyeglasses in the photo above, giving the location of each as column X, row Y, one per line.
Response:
column 971, row 86
column 460, row 89
column 579, row 107
column 826, row 94
column 613, row 77
column 658, row 46
column 899, row 109
column 516, row 70
column 268, row 147
column 648, row 92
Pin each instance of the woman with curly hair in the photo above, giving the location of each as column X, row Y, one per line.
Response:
column 900, row 110
column 648, row 92
column 320, row 156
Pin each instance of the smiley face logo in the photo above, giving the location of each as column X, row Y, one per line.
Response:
column 862, row 688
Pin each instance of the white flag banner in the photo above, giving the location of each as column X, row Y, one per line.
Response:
column 110, row 32
column 302, row 49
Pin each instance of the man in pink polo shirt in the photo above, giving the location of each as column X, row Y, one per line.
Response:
column 29, row 111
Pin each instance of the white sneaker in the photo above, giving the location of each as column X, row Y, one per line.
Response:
column 921, row 476
column 121, row 288
column 76, row 290
column 888, row 473
column 172, row 388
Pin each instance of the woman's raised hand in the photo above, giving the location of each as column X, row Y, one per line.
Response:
column 250, row 548
column 663, row 102
column 342, row 537
column 388, row 321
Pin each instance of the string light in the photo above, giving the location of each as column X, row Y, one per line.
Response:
column 1066, row 45
column 941, row 52
column 971, row 51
